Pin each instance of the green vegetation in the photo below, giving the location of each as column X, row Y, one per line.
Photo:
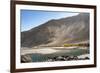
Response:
column 81, row 44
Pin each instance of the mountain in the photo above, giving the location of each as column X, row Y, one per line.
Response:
column 73, row 29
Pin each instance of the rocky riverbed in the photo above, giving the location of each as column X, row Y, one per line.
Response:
column 67, row 58
column 54, row 54
column 28, row 58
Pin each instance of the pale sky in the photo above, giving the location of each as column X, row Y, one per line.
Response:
column 33, row 18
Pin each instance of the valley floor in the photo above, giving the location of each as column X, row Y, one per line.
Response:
column 47, row 50
column 53, row 53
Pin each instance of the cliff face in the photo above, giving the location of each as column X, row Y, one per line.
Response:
column 73, row 29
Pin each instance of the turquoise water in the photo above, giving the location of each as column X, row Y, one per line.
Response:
column 36, row 57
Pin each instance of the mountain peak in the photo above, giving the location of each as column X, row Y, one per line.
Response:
column 73, row 29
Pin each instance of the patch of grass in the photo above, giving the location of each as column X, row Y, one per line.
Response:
column 80, row 44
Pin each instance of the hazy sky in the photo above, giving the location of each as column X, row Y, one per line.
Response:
column 33, row 18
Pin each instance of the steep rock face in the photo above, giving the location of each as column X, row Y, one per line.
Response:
column 73, row 29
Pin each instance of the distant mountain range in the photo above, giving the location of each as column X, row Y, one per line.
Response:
column 58, row 32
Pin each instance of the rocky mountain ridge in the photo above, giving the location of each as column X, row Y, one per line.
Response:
column 73, row 29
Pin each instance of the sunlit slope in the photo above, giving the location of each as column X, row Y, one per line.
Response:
column 54, row 33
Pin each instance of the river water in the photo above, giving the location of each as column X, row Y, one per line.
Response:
column 40, row 57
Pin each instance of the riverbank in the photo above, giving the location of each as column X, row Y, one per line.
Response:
column 48, row 50
column 53, row 53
